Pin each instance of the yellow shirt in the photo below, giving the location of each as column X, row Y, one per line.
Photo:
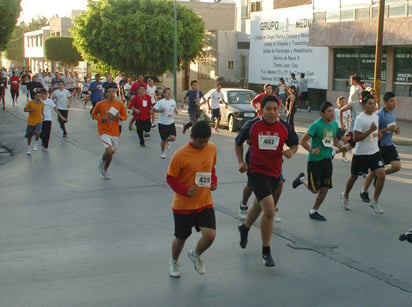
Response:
column 193, row 166
column 36, row 116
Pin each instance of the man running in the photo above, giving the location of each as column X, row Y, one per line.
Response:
column 63, row 99
column 192, row 177
column 267, row 138
column 214, row 106
column 108, row 113
column 387, row 127
column 322, row 134
column 366, row 154
column 195, row 98
column 166, row 108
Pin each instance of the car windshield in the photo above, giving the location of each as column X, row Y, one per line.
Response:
column 240, row 97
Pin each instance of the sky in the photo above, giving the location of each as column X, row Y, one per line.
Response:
column 36, row 8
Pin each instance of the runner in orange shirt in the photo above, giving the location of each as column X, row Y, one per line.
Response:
column 108, row 113
column 191, row 175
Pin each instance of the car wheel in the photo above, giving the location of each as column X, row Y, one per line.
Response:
column 232, row 124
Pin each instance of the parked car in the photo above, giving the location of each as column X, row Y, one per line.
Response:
column 236, row 110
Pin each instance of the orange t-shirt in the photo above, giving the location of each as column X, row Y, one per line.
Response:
column 36, row 116
column 190, row 165
column 109, row 127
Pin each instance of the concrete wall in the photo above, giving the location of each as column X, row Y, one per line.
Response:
column 360, row 33
column 217, row 16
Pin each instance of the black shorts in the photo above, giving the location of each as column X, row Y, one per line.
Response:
column 320, row 174
column 185, row 222
column 362, row 163
column 215, row 114
column 305, row 96
column 166, row 130
column 262, row 185
column 389, row 154
column 144, row 125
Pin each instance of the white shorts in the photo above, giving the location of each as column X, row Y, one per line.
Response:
column 109, row 141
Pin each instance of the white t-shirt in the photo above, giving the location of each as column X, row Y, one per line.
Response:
column 49, row 106
column 166, row 117
column 369, row 145
column 303, row 85
column 61, row 98
column 357, row 109
column 215, row 97
column 346, row 118
column 151, row 91
column 354, row 93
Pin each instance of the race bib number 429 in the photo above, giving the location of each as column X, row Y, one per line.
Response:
column 203, row 179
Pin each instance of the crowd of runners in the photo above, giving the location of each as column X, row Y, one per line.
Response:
column 356, row 125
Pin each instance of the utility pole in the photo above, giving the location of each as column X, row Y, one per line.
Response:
column 379, row 51
column 175, row 51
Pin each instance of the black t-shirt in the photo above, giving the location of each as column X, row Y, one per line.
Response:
column 32, row 87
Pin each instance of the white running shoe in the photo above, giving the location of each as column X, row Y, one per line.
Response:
column 28, row 151
column 242, row 211
column 277, row 219
column 106, row 175
column 35, row 145
column 345, row 160
column 344, row 200
column 174, row 268
column 163, row 155
column 197, row 262
column 375, row 206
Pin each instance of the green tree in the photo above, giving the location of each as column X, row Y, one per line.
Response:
column 60, row 49
column 15, row 47
column 9, row 12
column 137, row 35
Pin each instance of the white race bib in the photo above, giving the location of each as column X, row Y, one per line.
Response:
column 203, row 179
column 269, row 142
column 144, row 103
column 327, row 142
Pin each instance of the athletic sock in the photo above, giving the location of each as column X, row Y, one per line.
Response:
column 265, row 250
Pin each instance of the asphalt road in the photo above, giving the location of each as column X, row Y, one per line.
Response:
column 70, row 238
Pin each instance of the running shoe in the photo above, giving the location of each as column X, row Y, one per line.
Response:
column 344, row 200
column 28, row 151
column 317, row 216
column 153, row 125
column 268, row 260
column 106, row 175
column 243, row 235
column 174, row 269
column 242, row 211
column 345, row 160
column 184, row 129
column 146, row 134
column 35, row 146
column 375, row 206
column 163, row 155
column 197, row 262
column 365, row 197
column 277, row 219
column 298, row 181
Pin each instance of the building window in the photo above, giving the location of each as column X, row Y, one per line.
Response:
column 356, row 60
column 403, row 71
column 230, row 65
column 243, row 45
column 253, row 6
column 205, row 68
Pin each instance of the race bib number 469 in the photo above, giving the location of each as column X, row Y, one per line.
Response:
column 203, row 179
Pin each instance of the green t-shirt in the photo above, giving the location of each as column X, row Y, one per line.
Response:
column 323, row 135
